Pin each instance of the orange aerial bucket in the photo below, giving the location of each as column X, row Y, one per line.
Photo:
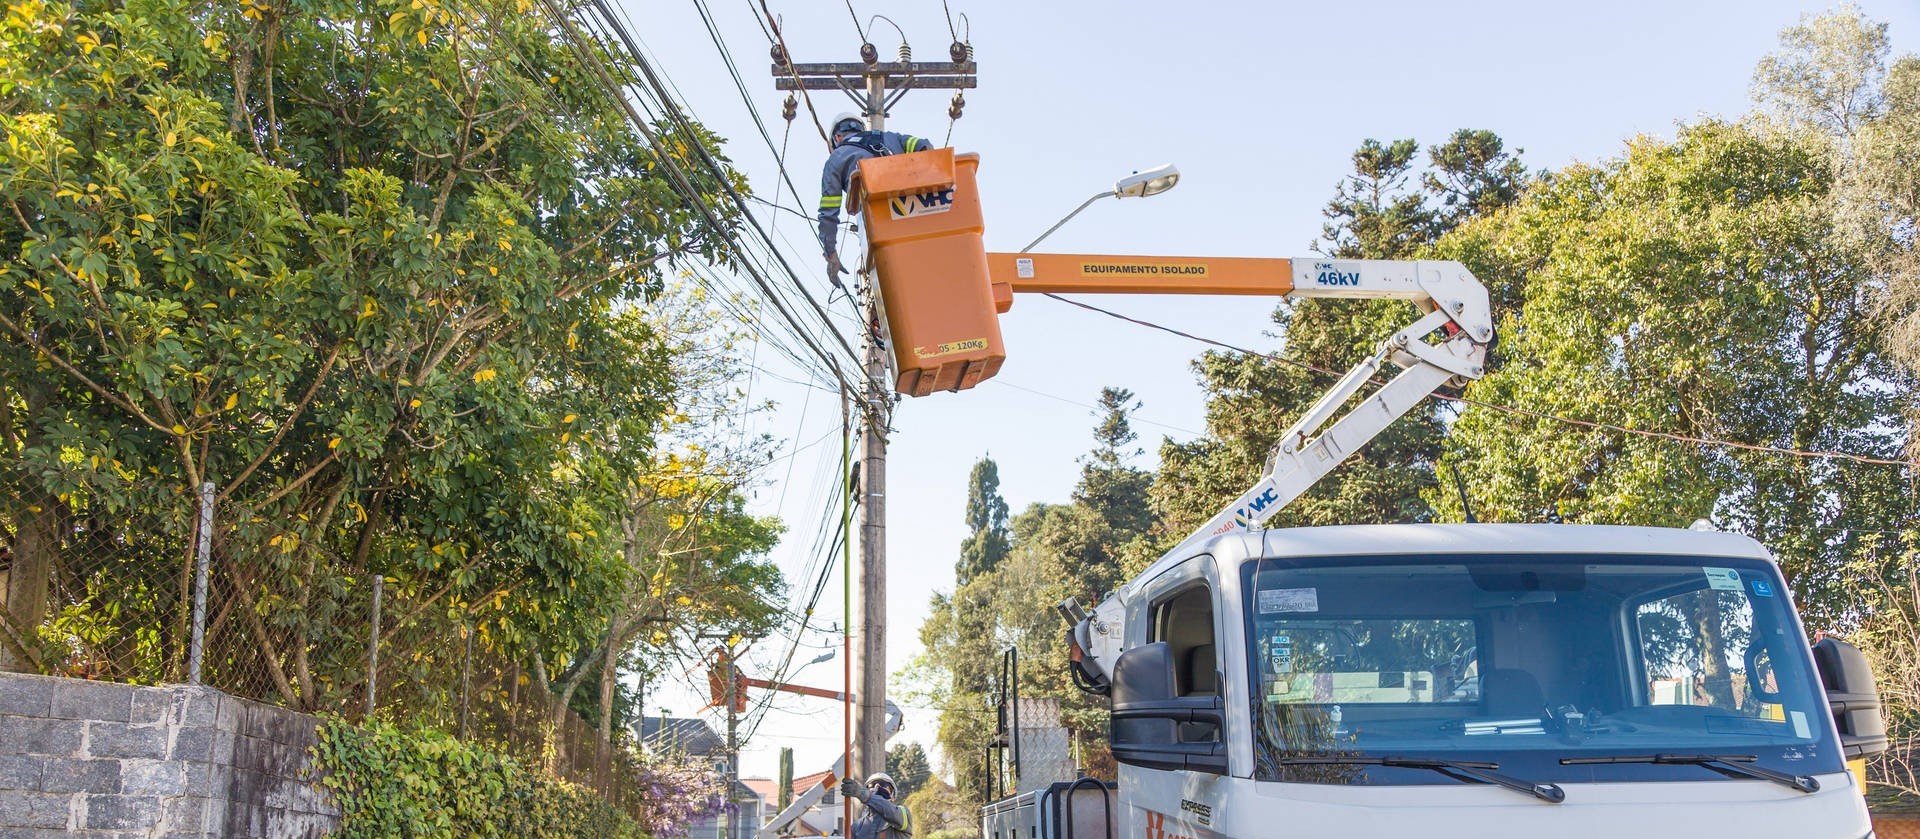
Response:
column 924, row 237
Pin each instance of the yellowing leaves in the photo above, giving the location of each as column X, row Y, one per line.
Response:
column 484, row 376
column 179, row 429
column 413, row 403
column 232, row 400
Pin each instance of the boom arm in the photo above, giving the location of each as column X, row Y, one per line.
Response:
column 1456, row 308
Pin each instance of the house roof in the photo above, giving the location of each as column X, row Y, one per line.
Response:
column 685, row 734
column 807, row 782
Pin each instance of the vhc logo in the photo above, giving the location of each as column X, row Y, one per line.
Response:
column 1328, row 273
column 924, row 204
column 1244, row 515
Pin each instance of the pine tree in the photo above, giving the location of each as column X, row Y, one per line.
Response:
column 907, row 763
column 1109, row 487
column 989, row 540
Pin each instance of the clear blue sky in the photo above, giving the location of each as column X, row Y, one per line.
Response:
column 1260, row 105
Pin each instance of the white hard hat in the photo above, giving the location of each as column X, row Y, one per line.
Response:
column 845, row 116
column 879, row 776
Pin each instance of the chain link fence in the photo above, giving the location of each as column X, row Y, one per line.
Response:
column 173, row 585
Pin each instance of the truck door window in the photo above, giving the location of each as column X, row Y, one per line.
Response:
column 1185, row 622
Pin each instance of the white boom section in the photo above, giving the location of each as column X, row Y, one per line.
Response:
column 1454, row 300
column 805, row 801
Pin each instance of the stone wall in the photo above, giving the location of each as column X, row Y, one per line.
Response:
column 96, row 759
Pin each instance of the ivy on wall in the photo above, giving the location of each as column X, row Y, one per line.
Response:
column 393, row 783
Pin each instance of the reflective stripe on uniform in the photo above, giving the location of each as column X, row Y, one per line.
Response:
column 828, row 203
column 913, row 143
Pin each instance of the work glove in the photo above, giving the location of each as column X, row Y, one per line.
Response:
column 834, row 268
column 852, row 788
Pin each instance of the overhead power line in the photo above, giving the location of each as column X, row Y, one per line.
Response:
column 1638, row 432
column 586, row 51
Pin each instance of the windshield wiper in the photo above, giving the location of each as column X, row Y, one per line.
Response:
column 1738, row 765
column 1470, row 769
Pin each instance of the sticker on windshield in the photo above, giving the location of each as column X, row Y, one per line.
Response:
column 1762, row 588
column 1800, row 728
column 1289, row 600
column 1722, row 579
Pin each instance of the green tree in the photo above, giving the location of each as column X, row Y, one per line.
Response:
column 1110, row 487
column 1696, row 288
column 368, row 269
column 987, row 540
column 1373, row 214
column 907, row 763
column 1835, row 78
column 1472, row 175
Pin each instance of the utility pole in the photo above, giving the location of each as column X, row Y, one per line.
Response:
column 733, row 746
column 874, row 85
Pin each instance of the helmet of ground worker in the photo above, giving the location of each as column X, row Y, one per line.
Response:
column 880, row 777
column 848, row 122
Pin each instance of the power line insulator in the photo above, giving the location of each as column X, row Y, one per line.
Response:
column 869, row 55
column 960, row 52
column 779, row 55
column 959, row 104
column 906, row 53
column 790, row 108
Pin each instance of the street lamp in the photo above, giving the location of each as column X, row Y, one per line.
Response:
column 1137, row 185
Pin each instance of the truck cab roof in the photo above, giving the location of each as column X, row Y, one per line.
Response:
column 1387, row 539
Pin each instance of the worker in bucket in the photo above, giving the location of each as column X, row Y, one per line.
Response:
column 883, row 818
column 852, row 143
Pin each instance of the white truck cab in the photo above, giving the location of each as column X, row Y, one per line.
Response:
column 1479, row 680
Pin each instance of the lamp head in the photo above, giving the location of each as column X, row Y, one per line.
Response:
column 1150, row 182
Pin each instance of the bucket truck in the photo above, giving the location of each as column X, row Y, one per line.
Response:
column 1434, row 680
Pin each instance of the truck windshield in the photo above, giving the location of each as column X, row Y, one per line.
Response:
column 1525, row 662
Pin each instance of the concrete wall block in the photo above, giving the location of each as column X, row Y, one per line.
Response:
column 160, row 778
column 224, row 744
column 27, row 696
column 79, row 699
column 122, row 812
column 68, row 775
column 34, row 833
column 227, row 713
column 195, row 705
column 20, row 772
column 117, row 739
column 151, row 706
column 191, row 744
column 199, row 779
column 36, row 809
column 34, row 736
column 188, row 815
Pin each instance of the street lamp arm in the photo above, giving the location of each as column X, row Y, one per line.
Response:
column 1076, row 211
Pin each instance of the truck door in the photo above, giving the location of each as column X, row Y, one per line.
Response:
column 1184, row 617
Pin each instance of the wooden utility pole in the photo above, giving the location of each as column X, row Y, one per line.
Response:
column 873, row 85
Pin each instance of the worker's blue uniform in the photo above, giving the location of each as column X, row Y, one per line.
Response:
column 883, row 819
column 839, row 169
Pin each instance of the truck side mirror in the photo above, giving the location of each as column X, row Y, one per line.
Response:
column 1147, row 715
column 1852, row 696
